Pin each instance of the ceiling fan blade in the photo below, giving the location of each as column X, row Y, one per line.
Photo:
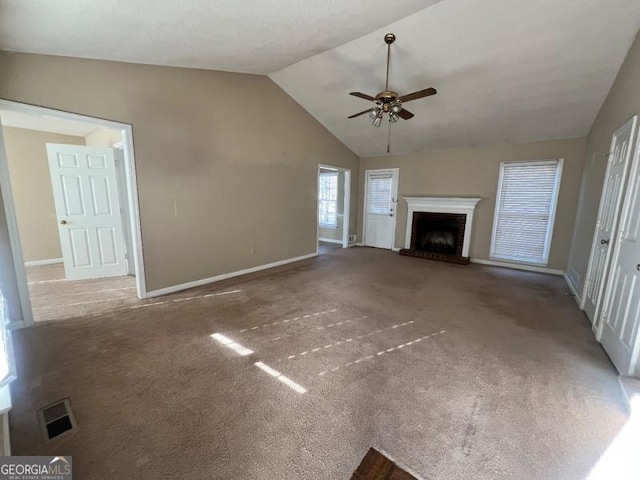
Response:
column 416, row 95
column 360, row 113
column 405, row 114
column 363, row 95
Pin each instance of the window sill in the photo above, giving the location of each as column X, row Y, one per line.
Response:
column 518, row 262
column 334, row 227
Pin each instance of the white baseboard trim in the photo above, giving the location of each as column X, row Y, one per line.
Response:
column 517, row 266
column 225, row 276
column 330, row 240
column 49, row 261
column 573, row 289
column 393, row 249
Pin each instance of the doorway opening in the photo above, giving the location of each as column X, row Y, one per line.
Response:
column 334, row 208
column 70, row 197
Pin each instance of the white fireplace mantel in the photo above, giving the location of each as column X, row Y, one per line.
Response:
column 465, row 205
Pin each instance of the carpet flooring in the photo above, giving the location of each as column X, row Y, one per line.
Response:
column 54, row 298
column 456, row 372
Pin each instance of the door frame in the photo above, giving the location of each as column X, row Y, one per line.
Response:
column 596, row 323
column 132, row 200
column 346, row 214
column 606, row 294
column 393, row 171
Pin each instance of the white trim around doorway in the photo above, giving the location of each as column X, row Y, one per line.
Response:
column 346, row 215
column 132, row 199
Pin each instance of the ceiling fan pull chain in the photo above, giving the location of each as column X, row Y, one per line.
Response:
column 389, row 137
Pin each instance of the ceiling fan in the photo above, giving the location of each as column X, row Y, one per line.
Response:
column 388, row 101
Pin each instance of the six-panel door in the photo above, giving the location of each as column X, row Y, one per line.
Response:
column 85, row 191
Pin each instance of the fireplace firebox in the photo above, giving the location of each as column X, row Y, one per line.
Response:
column 438, row 236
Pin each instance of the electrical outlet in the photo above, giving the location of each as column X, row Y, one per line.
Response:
column 352, row 238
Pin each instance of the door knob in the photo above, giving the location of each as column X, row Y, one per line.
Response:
column 638, row 267
column 63, row 222
column 604, row 242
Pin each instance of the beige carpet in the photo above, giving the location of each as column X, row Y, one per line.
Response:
column 457, row 372
column 54, row 298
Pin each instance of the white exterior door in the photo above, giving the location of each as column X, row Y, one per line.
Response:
column 85, row 191
column 608, row 214
column 381, row 198
column 621, row 306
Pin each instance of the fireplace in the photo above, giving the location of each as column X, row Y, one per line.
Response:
column 438, row 232
column 439, row 228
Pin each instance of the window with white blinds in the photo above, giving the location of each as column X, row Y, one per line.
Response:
column 7, row 361
column 525, row 211
column 328, row 200
column 379, row 195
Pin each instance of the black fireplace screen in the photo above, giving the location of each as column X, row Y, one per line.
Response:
column 438, row 232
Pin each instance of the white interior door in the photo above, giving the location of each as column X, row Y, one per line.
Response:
column 621, row 307
column 85, row 191
column 381, row 198
column 608, row 215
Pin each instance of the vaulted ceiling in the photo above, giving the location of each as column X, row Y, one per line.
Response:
column 248, row 36
column 505, row 70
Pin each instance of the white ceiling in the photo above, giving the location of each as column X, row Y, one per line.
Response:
column 505, row 71
column 46, row 124
column 252, row 36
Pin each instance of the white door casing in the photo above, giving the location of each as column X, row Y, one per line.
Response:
column 607, row 222
column 380, row 207
column 85, row 191
column 620, row 326
column 346, row 214
column 121, row 175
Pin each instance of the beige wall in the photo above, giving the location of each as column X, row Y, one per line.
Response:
column 473, row 172
column 226, row 162
column 32, row 193
column 103, row 137
column 621, row 104
column 335, row 233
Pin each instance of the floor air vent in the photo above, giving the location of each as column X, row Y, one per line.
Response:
column 57, row 419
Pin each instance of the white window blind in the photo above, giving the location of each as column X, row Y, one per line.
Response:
column 328, row 200
column 7, row 363
column 379, row 195
column 525, row 211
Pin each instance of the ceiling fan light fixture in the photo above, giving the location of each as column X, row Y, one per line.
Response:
column 388, row 101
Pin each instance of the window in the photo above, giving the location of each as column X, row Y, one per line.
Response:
column 7, row 363
column 525, row 211
column 380, row 194
column 328, row 200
